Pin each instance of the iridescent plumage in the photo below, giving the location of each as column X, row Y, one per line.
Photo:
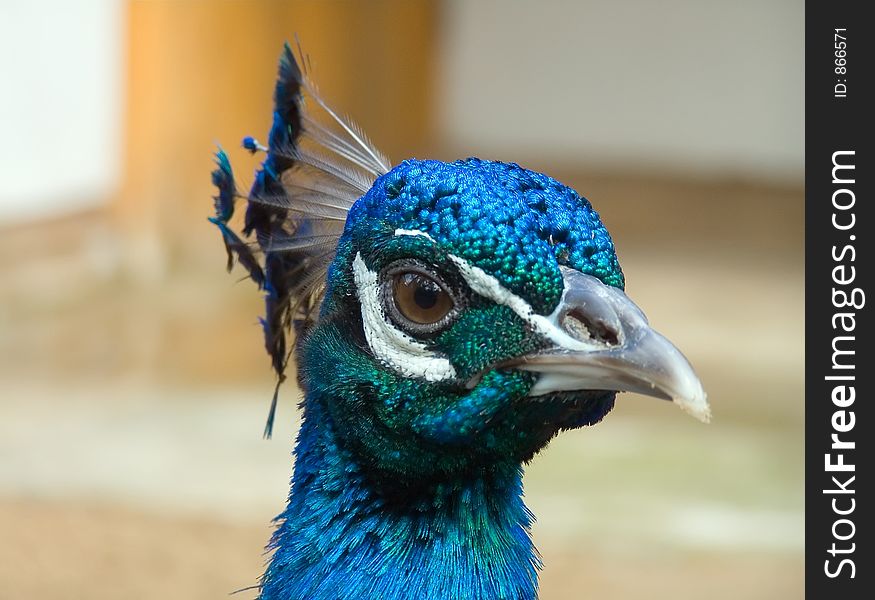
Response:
column 407, row 480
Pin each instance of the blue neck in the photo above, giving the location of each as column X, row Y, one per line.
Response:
column 342, row 537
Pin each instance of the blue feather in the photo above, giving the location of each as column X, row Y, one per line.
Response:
column 252, row 145
column 235, row 246
column 223, row 179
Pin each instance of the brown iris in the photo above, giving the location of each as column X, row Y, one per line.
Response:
column 420, row 299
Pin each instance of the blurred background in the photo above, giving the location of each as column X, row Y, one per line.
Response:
column 133, row 381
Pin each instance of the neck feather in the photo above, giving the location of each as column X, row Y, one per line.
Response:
column 342, row 536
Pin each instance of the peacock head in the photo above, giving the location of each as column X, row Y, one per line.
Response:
column 473, row 311
column 451, row 316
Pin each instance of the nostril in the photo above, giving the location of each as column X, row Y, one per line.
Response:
column 585, row 328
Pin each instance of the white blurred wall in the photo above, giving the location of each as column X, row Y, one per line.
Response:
column 60, row 105
column 697, row 87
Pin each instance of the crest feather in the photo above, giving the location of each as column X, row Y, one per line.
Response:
column 315, row 169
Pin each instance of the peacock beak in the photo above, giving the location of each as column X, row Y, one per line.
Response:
column 602, row 341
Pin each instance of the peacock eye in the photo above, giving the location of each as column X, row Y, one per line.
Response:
column 421, row 299
column 417, row 300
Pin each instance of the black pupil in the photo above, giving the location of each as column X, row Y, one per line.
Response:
column 425, row 294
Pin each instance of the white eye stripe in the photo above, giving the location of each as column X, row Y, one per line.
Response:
column 489, row 287
column 412, row 358
column 392, row 346
column 413, row 233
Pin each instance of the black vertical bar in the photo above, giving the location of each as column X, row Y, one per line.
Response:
column 839, row 117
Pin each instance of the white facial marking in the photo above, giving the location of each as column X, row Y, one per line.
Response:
column 395, row 348
column 489, row 287
column 413, row 233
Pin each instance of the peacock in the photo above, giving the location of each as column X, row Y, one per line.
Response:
column 449, row 319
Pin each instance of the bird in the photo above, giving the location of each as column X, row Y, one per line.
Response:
column 447, row 319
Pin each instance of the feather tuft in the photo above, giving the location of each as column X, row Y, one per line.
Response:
column 297, row 206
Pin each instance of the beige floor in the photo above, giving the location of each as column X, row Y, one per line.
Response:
column 131, row 406
column 87, row 551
